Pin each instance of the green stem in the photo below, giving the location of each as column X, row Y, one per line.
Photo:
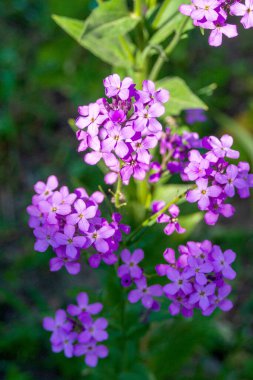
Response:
column 152, row 219
column 138, row 7
column 162, row 58
column 118, row 193
column 160, row 13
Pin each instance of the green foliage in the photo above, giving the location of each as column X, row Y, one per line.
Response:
column 181, row 96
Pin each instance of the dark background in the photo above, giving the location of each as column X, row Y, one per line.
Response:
column 44, row 76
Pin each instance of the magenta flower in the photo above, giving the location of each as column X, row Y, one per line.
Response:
column 180, row 281
column 53, row 207
column 62, row 260
column 82, row 215
column 205, row 9
column 45, row 190
column 72, row 243
column 131, row 262
column 146, row 117
column 84, row 306
column 220, row 148
column 172, row 220
column 219, row 300
column 115, row 140
column 245, row 10
column 222, row 262
column 149, row 94
column 195, row 115
column 203, row 193
column 90, row 118
column 230, row 180
column 65, row 344
column 98, row 237
column 197, row 167
column 57, row 325
column 217, row 208
column 142, row 146
column 45, row 237
column 94, row 330
column 144, row 293
column 247, row 178
column 92, row 352
column 201, row 295
column 133, row 168
column 199, row 269
column 114, row 86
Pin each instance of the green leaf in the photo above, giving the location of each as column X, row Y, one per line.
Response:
column 181, row 96
column 169, row 192
column 110, row 19
column 189, row 222
column 167, row 11
column 107, row 49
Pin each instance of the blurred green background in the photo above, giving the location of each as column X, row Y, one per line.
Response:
column 44, row 76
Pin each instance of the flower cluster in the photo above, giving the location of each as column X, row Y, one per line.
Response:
column 213, row 15
column 70, row 222
column 217, row 179
column 174, row 149
column 76, row 332
column 123, row 131
column 197, row 278
column 130, row 273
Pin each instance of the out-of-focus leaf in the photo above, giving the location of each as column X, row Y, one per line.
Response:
column 110, row 19
column 181, row 96
column 189, row 222
column 107, row 49
column 169, row 192
column 168, row 9
column 168, row 28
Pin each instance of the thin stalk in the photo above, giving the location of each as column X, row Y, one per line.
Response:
column 152, row 219
column 162, row 58
column 117, row 196
column 138, row 8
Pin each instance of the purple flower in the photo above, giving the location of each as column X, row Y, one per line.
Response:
column 94, row 330
column 222, row 262
column 45, row 190
column 157, row 206
column 217, row 208
column 203, row 193
column 197, row 167
column 245, row 10
column 62, row 260
column 114, row 86
column 90, row 118
column 83, row 213
column 149, row 94
column 98, row 237
column 115, row 140
column 84, row 306
column 195, row 115
column 247, row 178
column 45, row 237
column 172, row 220
column 144, row 293
column 54, row 207
column 57, row 325
column 92, row 352
column 199, row 269
column 71, row 242
column 205, row 9
column 66, row 343
column 131, row 262
column 230, row 180
column 220, row 148
column 201, row 295
column 219, row 300
column 133, row 167
column 180, row 281
column 146, row 117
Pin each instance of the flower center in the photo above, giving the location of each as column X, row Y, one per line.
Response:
column 95, row 235
column 203, row 192
column 70, row 241
column 116, row 138
column 54, row 209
